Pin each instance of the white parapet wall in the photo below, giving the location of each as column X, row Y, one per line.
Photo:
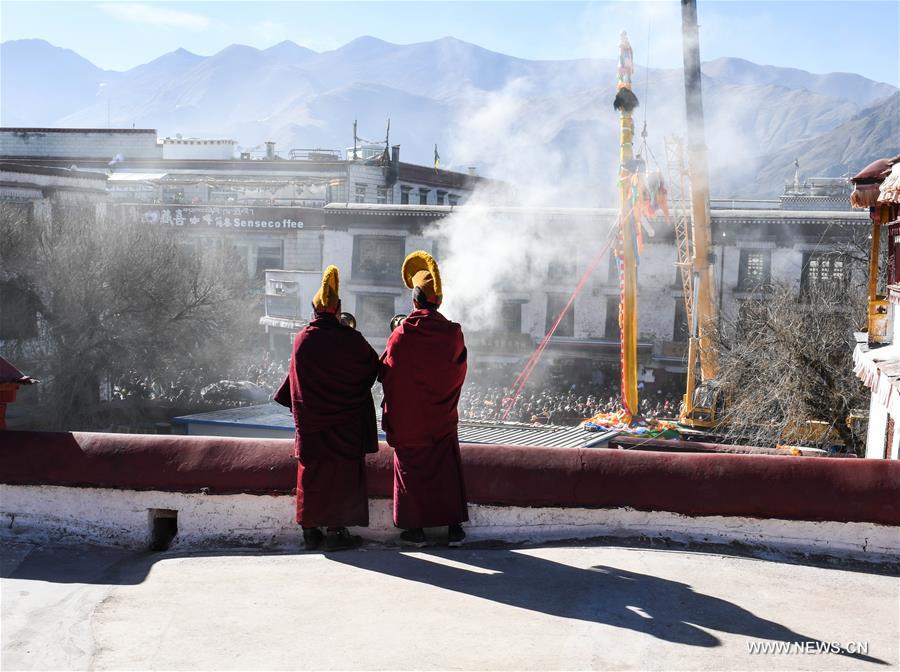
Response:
column 43, row 513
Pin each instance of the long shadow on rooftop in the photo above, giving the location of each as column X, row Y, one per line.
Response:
column 76, row 564
column 665, row 609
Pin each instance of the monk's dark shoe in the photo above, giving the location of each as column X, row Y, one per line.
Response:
column 455, row 536
column 415, row 538
column 312, row 538
column 341, row 540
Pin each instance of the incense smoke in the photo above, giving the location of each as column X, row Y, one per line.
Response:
column 549, row 159
column 568, row 158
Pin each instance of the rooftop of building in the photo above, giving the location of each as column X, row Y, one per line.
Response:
column 272, row 419
column 682, row 562
column 594, row 605
column 407, row 171
column 196, row 141
column 726, row 212
column 29, row 168
column 10, row 374
column 107, row 131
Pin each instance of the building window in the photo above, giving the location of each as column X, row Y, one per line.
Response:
column 823, row 272
column 611, row 329
column 173, row 195
column 511, row 315
column 18, row 313
column 283, row 299
column 360, row 193
column 336, row 192
column 555, row 305
column 441, row 197
column 423, row 196
column 681, row 331
column 453, row 199
column 404, row 195
column 374, row 313
column 378, row 259
column 187, row 247
column 282, row 345
column 755, row 269
column 286, row 307
column 560, row 271
column 268, row 257
column 381, row 196
column 243, row 253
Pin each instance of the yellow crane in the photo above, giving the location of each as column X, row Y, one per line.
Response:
column 704, row 399
column 706, row 396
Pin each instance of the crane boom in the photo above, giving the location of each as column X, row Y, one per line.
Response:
column 678, row 181
column 700, row 405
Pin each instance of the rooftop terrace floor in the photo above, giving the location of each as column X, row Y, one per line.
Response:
column 539, row 608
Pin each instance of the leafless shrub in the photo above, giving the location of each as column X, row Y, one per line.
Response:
column 123, row 306
column 786, row 361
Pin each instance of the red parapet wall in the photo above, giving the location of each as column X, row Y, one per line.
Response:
column 758, row 486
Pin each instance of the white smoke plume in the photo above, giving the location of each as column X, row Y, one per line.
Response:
column 556, row 157
column 516, row 135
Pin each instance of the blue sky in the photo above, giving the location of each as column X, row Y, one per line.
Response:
column 812, row 35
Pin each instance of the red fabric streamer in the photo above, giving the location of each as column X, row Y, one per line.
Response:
column 535, row 358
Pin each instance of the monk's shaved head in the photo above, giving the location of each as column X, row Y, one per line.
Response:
column 420, row 300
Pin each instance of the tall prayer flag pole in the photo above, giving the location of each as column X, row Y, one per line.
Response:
column 625, row 103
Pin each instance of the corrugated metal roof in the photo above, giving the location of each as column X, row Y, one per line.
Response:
column 273, row 416
column 546, row 436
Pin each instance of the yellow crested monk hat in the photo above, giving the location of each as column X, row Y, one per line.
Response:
column 327, row 298
column 421, row 270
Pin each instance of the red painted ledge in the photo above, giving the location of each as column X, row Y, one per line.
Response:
column 760, row 486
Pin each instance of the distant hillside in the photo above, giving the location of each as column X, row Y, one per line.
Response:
column 872, row 134
column 843, row 85
column 514, row 118
column 40, row 83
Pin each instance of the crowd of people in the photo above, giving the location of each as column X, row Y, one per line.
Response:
column 546, row 406
column 545, row 403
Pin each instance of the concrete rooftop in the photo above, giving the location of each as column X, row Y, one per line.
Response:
column 540, row 608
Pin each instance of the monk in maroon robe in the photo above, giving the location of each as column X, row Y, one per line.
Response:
column 422, row 372
column 328, row 389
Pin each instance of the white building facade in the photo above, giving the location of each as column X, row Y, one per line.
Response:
column 369, row 242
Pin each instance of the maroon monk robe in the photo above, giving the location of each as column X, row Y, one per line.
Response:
column 422, row 372
column 330, row 379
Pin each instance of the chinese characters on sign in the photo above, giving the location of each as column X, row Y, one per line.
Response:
column 221, row 218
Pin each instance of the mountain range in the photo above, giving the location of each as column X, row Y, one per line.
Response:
column 533, row 122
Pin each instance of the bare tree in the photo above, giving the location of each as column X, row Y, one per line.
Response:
column 787, row 364
column 125, row 304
